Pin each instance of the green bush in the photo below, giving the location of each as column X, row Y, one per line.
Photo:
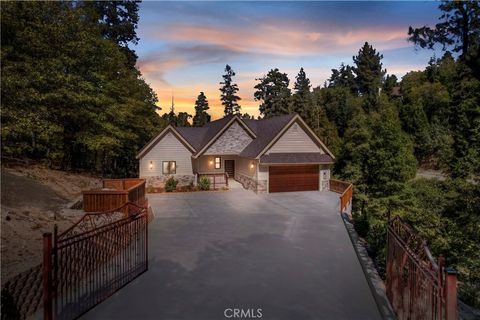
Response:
column 171, row 184
column 204, row 183
column 361, row 224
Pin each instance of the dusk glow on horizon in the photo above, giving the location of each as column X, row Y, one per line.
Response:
column 184, row 46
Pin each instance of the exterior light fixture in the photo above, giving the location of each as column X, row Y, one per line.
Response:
column 151, row 165
column 252, row 165
column 211, row 162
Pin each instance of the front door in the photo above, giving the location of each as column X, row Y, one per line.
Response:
column 230, row 168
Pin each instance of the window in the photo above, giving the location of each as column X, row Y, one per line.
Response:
column 218, row 163
column 169, row 167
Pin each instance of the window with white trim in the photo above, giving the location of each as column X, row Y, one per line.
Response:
column 218, row 163
column 169, row 167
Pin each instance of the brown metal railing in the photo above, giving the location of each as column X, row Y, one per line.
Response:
column 346, row 193
column 114, row 193
column 97, row 256
column 417, row 287
column 216, row 179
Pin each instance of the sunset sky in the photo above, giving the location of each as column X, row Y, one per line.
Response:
column 184, row 46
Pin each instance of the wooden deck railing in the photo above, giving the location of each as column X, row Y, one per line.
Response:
column 346, row 192
column 216, row 179
column 115, row 193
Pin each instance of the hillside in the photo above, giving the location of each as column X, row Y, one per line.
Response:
column 33, row 198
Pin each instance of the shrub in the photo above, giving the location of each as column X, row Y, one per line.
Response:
column 204, row 183
column 361, row 224
column 170, row 184
column 150, row 189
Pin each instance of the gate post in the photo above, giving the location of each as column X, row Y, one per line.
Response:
column 47, row 276
column 450, row 294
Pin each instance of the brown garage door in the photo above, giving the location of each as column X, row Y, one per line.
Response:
column 293, row 178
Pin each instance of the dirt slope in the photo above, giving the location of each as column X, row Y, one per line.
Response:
column 33, row 199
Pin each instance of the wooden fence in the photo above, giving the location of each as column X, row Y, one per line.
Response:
column 346, row 193
column 114, row 193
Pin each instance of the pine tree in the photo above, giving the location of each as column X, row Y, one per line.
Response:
column 391, row 81
column 459, row 28
column 343, row 77
column 274, row 93
column 228, row 93
column 118, row 21
column 201, row 106
column 368, row 70
column 183, row 119
column 301, row 99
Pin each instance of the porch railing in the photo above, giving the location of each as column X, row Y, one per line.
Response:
column 346, row 193
column 114, row 193
column 216, row 179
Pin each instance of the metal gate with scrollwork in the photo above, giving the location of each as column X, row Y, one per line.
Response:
column 417, row 287
column 93, row 259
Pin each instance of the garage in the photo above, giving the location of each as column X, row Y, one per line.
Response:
column 293, row 178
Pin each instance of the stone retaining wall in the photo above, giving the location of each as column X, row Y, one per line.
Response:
column 247, row 182
column 159, row 181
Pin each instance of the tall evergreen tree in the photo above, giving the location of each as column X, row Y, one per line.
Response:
column 183, row 119
column 70, row 96
column 301, row 99
column 368, row 69
column 201, row 106
column 343, row 77
column 229, row 91
column 274, row 94
column 460, row 29
column 118, row 22
column 391, row 81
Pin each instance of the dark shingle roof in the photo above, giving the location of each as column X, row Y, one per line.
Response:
column 193, row 135
column 198, row 137
column 266, row 130
column 310, row 157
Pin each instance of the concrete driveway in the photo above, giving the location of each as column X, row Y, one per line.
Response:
column 287, row 254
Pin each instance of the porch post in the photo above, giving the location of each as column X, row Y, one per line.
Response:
column 450, row 294
column 47, row 277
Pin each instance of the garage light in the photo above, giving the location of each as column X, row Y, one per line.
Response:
column 151, row 165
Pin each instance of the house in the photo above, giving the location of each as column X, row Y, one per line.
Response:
column 278, row 154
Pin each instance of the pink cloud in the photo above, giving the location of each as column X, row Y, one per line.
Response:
column 291, row 40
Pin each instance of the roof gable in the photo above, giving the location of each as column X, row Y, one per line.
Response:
column 232, row 141
column 266, row 130
column 159, row 137
column 270, row 130
column 294, row 139
column 217, row 128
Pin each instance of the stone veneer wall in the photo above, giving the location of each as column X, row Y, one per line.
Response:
column 262, row 186
column 247, row 182
column 159, row 181
column 232, row 141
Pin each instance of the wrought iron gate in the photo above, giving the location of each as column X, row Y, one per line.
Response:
column 93, row 259
column 417, row 287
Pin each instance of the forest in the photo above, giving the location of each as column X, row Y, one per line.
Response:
column 73, row 98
